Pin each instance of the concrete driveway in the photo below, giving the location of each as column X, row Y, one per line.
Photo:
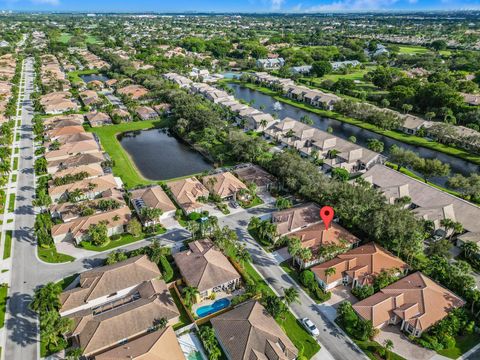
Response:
column 340, row 294
column 402, row 346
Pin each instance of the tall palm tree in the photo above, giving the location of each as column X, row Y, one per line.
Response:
column 330, row 271
column 291, row 295
column 470, row 248
column 46, row 298
column 190, row 293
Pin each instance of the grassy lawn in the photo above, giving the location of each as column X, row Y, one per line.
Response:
column 356, row 74
column 290, row 325
column 124, row 240
column 51, row 255
column 3, row 304
column 7, row 248
column 413, row 50
column 11, row 203
column 74, row 76
column 65, row 37
column 14, row 178
column 370, row 347
column 124, row 166
column 295, row 275
column 397, row 135
column 67, row 281
column 463, row 344
column 254, row 202
column 184, row 319
column 15, row 163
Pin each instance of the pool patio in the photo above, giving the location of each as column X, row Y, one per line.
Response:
column 219, row 295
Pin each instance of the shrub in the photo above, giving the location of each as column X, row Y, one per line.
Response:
column 115, row 237
column 307, row 278
column 194, row 216
column 167, row 270
column 362, row 292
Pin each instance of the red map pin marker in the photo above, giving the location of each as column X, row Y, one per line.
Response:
column 326, row 213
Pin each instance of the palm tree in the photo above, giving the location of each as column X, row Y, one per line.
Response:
column 263, row 124
column 46, row 298
column 243, row 256
column 160, row 323
column 294, row 248
column 291, row 295
column 388, row 344
column 330, row 271
column 470, row 248
column 190, row 294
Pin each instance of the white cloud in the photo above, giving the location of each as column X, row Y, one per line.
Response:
column 276, row 4
column 46, row 2
column 352, row 5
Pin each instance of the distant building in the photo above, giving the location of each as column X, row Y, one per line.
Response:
column 270, row 64
column 336, row 65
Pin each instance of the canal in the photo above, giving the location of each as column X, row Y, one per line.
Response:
column 160, row 156
column 343, row 130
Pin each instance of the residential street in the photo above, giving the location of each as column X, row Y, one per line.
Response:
column 338, row 346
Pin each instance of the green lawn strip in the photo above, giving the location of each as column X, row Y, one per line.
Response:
column 184, row 319
column 124, row 166
column 17, row 137
column 254, row 202
column 3, row 304
column 370, row 347
column 413, row 50
column 44, row 352
column 125, row 239
column 9, row 221
column 67, row 281
column 15, row 163
column 65, row 38
column 11, row 203
column 17, row 150
column 397, row 135
column 14, row 178
column 74, row 76
column 462, row 345
column 7, row 247
column 50, row 255
column 290, row 325
column 294, row 274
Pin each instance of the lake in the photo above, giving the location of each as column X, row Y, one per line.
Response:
column 344, row 130
column 160, row 156
column 92, row 77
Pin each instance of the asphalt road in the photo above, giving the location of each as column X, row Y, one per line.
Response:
column 21, row 323
column 29, row 272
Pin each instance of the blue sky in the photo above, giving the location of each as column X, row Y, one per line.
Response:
column 235, row 5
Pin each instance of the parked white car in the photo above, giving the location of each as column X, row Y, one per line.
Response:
column 310, row 326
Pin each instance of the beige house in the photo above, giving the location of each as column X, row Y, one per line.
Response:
column 187, row 192
column 429, row 203
column 72, row 148
column 207, row 269
column 226, row 185
column 77, row 229
column 95, row 287
column 256, row 175
column 97, row 118
column 416, row 302
column 250, row 332
column 296, row 218
column 90, row 187
column 128, row 318
column 133, row 91
column 357, row 267
column 157, row 345
column 74, row 161
column 323, row 243
column 153, row 197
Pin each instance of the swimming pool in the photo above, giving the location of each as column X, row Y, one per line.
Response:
column 212, row 308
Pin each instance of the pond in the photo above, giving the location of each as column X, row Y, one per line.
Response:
column 343, row 130
column 92, row 77
column 160, row 156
